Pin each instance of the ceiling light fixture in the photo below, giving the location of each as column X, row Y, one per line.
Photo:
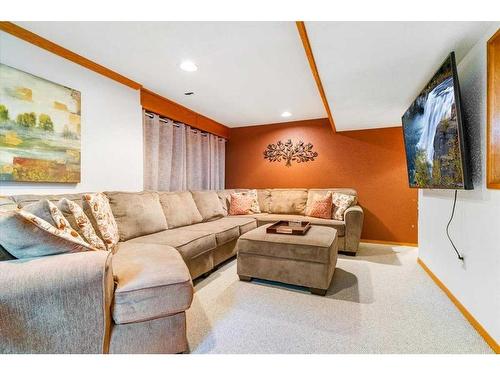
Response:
column 188, row 66
column 286, row 114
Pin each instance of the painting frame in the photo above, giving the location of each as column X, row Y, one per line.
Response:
column 40, row 129
column 493, row 113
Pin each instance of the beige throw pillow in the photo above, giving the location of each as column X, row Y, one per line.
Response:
column 80, row 222
column 96, row 207
column 28, row 236
column 341, row 202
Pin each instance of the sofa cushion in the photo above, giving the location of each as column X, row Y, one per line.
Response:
column 320, row 206
column 313, row 247
column 288, row 201
column 264, row 197
column 224, row 231
column 272, row 218
column 80, row 222
column 341, row 202
column 179, row 208
column 208, row 204
column 96, row 207
column 241, row 204
column 225, row 199
column 25, row 235
column 245, row 224
column 48, row 211
column 152, row 281
column 137, row 214
column 188, row 242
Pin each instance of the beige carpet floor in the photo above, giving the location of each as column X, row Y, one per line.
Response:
column 380, row 301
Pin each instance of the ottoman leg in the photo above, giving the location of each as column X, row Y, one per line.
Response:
column 245, row 278
column 319, row 292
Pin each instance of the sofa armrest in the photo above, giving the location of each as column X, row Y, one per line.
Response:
column 353, row 218
column 56, row 304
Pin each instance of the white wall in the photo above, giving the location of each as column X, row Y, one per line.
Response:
column 476, row 227
column 111, row 129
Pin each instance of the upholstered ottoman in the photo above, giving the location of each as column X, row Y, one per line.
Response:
column 307, row 260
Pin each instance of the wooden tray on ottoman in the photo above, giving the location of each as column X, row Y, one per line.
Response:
column 297, row 228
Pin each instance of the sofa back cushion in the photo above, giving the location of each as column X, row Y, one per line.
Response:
column 288, row 201
column 264, row 197
column 179, row 209
column 209, row 205
column 136, row 214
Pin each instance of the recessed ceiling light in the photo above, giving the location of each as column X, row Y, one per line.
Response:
column 286, row 114
column 188, row 66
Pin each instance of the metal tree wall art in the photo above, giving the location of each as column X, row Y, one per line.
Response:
column 300, row 152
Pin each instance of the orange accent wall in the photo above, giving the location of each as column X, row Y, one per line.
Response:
column 370, row 161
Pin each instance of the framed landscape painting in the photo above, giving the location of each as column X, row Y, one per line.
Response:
column 39, row 129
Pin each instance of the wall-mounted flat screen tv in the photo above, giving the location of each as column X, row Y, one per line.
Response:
column 437, row 154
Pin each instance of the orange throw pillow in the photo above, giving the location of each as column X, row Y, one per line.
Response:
column 321, row 207
column 240, row 204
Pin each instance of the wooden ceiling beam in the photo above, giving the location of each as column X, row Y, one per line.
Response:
column 47, row 45
column 301, row 27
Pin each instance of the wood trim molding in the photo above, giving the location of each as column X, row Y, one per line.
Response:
column 411, row 244
column 493, row 112
column 475, row 324
column 165, row 107
column 47, row 45
column 301, row 27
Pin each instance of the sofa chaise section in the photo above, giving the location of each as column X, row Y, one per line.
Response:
column 153, row 291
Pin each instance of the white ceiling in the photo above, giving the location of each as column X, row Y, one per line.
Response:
column 372, row 71
column 249, row 72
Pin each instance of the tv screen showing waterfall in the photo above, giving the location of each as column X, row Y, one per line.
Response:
column 436, row 149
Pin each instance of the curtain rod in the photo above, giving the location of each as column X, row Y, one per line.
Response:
column 176, row 124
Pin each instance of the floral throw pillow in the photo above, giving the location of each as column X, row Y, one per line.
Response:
column 320, row 207
column 96, row 207
column 341, row 202
column 254, row 208
column 240, row 204
column 80, row 222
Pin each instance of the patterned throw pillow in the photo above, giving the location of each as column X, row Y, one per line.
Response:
column 80, row 222
column 341, row 202
column 29, row 236
column 47, row 211
column 321, row 206
column 240, row 204
column 96, row 207
column 255, row 208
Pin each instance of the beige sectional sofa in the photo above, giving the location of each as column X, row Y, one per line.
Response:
column 134, row 299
